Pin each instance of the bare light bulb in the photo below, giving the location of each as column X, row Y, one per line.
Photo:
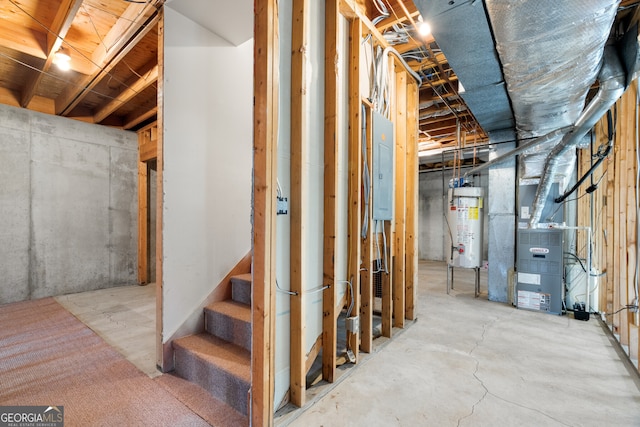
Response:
column 62, row 60
column 424, row 29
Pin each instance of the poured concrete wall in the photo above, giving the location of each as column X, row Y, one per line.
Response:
column 68, row 206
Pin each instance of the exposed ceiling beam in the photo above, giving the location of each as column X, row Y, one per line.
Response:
column 133, row 86
column 136, row 21
column 393, row 19
column 59, row 28
column 440, row 124
column 134, row 120
column 23, row 39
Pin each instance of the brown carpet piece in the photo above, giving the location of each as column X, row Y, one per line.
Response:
column 48, row 357
column 197, row 399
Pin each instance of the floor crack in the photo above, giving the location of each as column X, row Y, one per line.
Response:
column 485, row 327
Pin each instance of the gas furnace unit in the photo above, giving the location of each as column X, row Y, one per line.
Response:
column 539, row 265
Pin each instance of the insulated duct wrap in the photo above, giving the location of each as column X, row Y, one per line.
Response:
column 612, row 79
column 551, row 53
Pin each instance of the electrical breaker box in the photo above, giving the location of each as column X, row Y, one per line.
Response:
column 540, row 267
column 383, row 167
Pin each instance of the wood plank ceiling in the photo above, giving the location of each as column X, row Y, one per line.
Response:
column 113, row 49
column 112, row 45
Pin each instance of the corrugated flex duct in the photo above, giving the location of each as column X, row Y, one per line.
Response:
column 612, row 78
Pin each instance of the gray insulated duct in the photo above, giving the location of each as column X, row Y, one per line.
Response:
column 551, row 53
column 612, row 78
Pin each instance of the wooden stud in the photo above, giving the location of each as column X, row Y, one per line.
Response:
column 411, row 255
column 143, row 225
column 623, row 132
column 160, row 195
column 366, row 308
column 355, row 175
column 266, row 87
column 299, row 188
column 387, row 282
column 400, row 194
column 329, row 326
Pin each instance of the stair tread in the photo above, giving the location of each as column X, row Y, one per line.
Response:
column 234, row 309
column 228, row 356
column 247, row 277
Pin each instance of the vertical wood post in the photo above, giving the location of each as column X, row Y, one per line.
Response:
column 411, row 256
column 329, row 300
column 355, row 174
column 265, row 116
column 298, row 191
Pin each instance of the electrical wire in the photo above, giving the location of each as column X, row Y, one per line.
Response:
column 577, row 259
column 366, row 180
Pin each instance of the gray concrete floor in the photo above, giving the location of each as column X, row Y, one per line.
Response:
column 125, row 317
column 472, row 362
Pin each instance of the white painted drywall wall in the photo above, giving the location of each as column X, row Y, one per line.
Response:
column 68, row 206
column 208, row 102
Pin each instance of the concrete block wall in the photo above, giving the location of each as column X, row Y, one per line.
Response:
column 68, row 206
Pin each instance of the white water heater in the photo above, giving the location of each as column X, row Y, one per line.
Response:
column 465, row 223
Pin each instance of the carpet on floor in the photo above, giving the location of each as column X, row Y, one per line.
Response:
column 49, row 358
column 197, row 399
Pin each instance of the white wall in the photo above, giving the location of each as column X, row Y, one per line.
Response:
column 208, row 102
column 68, row 205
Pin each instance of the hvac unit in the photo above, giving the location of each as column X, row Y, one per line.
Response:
column 540, row 267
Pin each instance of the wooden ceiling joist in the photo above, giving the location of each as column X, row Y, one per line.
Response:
column 132, row 87
column 23, row 39
column 61, row 24
column 133, row 120
column 130, row 28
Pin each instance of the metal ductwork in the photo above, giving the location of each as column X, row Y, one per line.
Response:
column 612, row 79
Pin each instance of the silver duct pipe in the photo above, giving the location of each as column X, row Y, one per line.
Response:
column 612, row 79
column 522, row 149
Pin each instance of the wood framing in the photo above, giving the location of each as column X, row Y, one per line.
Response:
column 143, row 223
column 160, row 195
column 299, row 188
column 614, row 223
column 265, row 122
column 366, row 308
column 411, row 254
column 387, row 280
column 355, row 176
column 329, row 300
column 400, row 196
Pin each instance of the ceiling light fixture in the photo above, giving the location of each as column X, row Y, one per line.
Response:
column 423, row 27
column 62, row 59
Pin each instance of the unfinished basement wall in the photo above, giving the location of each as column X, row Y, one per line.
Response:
column 207, row 147
column 313, row 204
column 433, row 204
column 68, row 206
column 612, row 213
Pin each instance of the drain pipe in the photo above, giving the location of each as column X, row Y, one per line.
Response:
column 612, row 80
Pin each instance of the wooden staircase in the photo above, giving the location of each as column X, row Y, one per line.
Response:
column 219, row 359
